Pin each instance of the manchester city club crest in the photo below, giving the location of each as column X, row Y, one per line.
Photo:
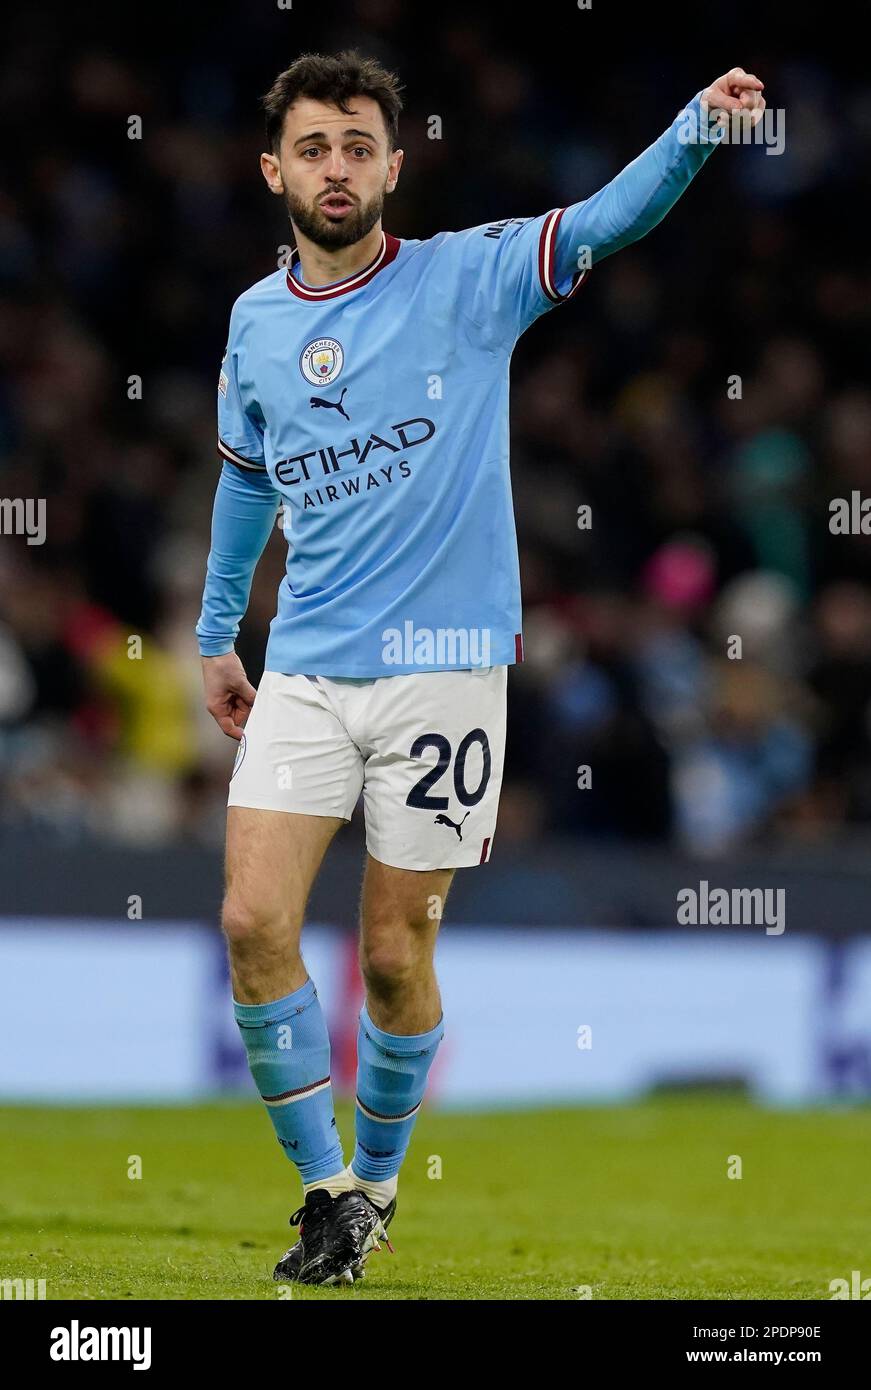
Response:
column 321, row 361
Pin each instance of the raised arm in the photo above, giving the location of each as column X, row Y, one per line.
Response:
column 520, row 267
column 637, row 200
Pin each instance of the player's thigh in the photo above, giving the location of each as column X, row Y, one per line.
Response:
column 272, row 859
column 433, row 772
column 295, row 781
column 400, row 912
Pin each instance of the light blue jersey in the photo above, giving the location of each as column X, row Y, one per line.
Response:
column 375, row 411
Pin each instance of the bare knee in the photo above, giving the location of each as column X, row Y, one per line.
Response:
column 240, row 923
column 255, row 928
column 389, row 963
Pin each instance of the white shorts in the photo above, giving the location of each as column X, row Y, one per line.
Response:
column 427, row 750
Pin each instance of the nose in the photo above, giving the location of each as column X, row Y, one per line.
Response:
column 336, row 170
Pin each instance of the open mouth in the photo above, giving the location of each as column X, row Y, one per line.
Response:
column 336, row 205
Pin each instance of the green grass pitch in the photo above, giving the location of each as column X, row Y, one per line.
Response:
column 633, row 1201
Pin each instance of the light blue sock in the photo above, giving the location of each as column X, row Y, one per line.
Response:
column 288, row 1049
column 391, row 1080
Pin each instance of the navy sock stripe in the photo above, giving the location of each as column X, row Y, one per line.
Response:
column 377, row 1116
column 300, row 1091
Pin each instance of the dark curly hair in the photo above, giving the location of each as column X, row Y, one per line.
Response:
column 337, row 79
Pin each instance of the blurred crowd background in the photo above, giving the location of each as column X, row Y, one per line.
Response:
column 710, row 513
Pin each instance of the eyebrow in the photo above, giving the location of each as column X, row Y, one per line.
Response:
column 321, row 135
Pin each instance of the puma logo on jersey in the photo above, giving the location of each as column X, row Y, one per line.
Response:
column 317, row 402
column 446, row 820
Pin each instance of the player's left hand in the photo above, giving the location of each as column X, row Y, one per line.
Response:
column 735, row 91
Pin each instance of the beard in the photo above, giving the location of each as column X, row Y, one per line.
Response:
column 314, row 224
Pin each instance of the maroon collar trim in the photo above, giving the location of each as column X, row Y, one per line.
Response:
column 314, row 294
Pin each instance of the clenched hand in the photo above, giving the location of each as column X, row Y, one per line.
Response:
column 229, row 693
column 736, row 90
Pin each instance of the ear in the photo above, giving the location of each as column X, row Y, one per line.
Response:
column 394, row 164
column 271, row 171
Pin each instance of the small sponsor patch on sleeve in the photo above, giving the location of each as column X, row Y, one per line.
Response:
column 222, row 383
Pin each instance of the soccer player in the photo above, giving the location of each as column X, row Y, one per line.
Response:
column 364, row 389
